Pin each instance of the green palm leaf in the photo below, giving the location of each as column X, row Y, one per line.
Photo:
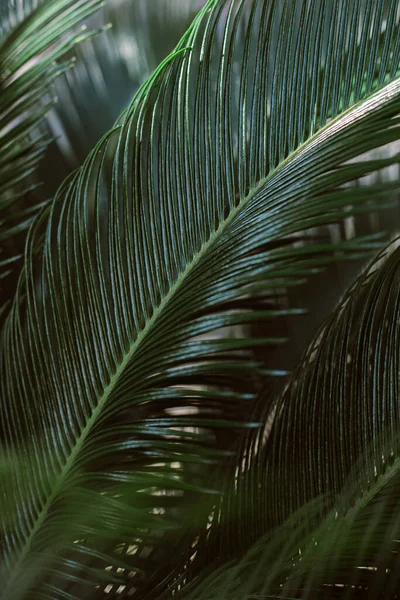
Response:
column 181, row 220
column 348, row 382
column 28, row 59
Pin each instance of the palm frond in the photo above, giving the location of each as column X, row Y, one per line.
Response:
column 29, row 56
column 344, row 474
column 341, row 399
column 352, row 370
column 352, row 366
column 181, row 219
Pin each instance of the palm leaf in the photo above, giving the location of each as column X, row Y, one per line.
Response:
column 352, row 365
column 348, row 382
column 179, row 223
column 28, row 58
column 359, row 349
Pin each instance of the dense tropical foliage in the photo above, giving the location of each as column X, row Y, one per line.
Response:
column 192, row 402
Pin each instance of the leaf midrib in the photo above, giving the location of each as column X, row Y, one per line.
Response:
column 310, row 142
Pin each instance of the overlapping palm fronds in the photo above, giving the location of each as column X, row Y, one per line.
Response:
column 331, row 508
column 122, row 386
column 52, row 129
